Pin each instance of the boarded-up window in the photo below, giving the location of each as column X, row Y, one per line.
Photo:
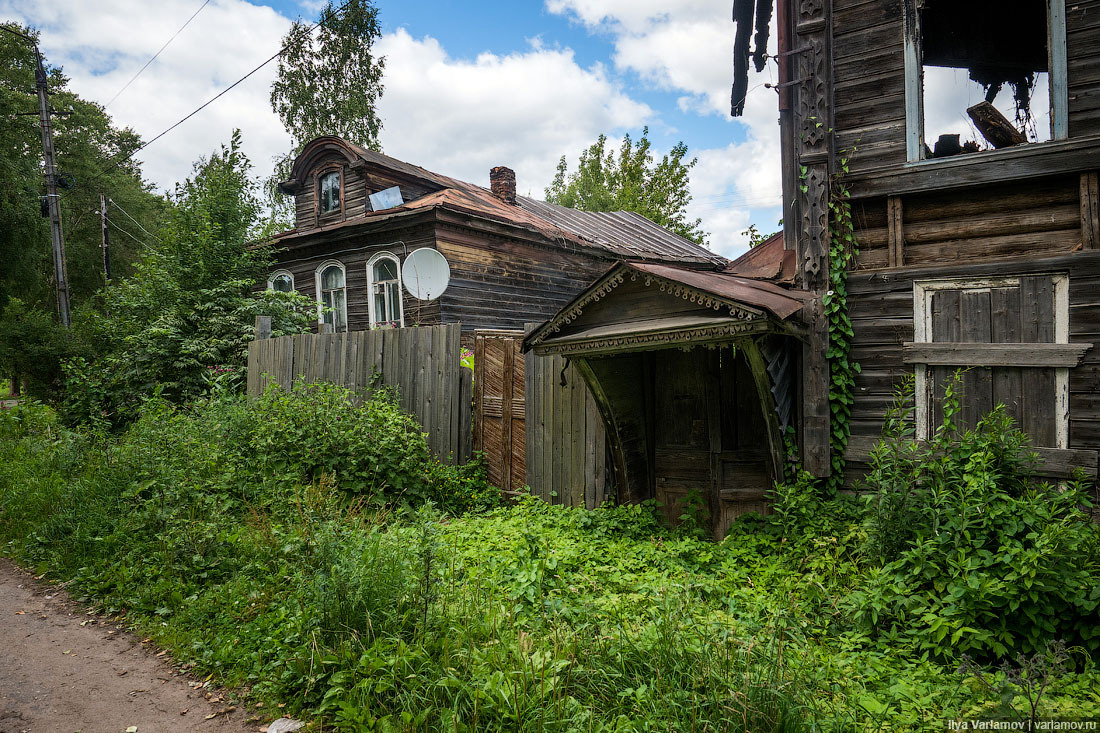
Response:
column 975, row 325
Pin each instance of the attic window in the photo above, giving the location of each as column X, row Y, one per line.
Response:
column 983, row 74
column 330, row 191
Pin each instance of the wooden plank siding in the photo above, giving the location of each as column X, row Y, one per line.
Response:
column 869, row 83
column 881, row 308
column 1083, row 66
column 423, row 364
column 566, row 442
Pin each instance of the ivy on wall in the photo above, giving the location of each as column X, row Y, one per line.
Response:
column 842, row 369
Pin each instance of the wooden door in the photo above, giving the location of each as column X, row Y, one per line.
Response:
column 499, row 407
column 710, row 436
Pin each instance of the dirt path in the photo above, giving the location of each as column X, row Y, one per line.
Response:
column 63, row 670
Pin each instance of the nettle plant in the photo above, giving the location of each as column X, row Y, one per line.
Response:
column 978, row 556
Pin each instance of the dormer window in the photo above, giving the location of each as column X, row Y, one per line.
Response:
column 330, row 191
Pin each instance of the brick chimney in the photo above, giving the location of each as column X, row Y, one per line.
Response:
column 503, row 182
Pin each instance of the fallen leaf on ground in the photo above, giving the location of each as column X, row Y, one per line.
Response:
column 162, row 653
column 20, row 613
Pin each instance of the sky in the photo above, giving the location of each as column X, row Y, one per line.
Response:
column 468, row 85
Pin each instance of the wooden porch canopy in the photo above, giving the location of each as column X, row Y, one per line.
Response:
column 640, row 306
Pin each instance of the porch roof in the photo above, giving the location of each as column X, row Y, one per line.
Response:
column 643, row 305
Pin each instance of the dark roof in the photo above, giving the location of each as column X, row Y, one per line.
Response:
column 780, row 302
column 620, row 234
column 769, row 260
column 746, row 299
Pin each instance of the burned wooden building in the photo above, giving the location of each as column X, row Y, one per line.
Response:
column 512, row 259
column 965, row 137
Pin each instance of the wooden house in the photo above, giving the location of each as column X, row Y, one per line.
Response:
column 967, row 136
column 512, row 259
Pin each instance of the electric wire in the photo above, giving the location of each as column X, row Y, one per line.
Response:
column 136, row 222
column 154, row 58
column 128, row 234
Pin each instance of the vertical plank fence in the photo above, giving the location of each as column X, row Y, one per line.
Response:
column 422, row 363
column 533, row 430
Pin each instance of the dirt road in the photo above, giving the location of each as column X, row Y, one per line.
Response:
column 64, row 671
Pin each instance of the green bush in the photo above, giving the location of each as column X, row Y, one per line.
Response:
column 32, row 347
column 979, row 556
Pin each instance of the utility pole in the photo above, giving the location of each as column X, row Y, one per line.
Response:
column 106, row 238
column 61, row 274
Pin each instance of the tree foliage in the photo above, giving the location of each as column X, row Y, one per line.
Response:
column 183, row 321
column 87, row 147
column 329, row 82
column 630, row 180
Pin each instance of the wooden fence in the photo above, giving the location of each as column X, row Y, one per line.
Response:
column 422, row 363
column 534, row 430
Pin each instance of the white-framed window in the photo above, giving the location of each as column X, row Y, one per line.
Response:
column 328, row 185
column 332, row 295
column 958, row 55
column 384, row 288
column 281, row 281
column 1011, row 334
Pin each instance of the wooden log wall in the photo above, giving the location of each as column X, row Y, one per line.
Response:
column 869, row 83
column 881, row 308
column 422, row 363
column 354, row 255
column 566, row 441
column 498, row 282
column 1033, row 217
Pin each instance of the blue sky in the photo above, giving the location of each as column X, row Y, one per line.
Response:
column 469, row 85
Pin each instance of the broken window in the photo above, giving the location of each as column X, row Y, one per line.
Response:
column 330, row 192
column 982, row 73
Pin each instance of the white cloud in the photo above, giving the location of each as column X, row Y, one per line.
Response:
column 101, row 45
column 687, row 47
column 523, row 110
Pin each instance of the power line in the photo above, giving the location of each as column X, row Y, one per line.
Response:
column 154, row 58
column 139, row 226
column 131, row 236
column 217, row 96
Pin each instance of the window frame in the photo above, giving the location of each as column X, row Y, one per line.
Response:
column 318, row 176
column 277, row 274
column 371, row 283
column 914, row 82
column 923, row 290
column 319, row 282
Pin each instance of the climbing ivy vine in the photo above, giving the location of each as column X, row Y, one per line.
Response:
column 842, row 369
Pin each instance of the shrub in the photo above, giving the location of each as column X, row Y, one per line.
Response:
column 979, row 557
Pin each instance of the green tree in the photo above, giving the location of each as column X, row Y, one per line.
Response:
column 87, row 146
column 630, row 180
column 184, row 320
column 329, row 83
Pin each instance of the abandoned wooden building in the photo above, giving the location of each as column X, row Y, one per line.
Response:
column 978, row 248
column 512, row 259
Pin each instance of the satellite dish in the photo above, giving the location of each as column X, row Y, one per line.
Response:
column 425, row 273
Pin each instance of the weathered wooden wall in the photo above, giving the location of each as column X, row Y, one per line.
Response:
column 422, row 363
column 354, row 253
column 566, row 442
column 869, row 83
column 1083, row 67
column 881, row 304
column 499, row 282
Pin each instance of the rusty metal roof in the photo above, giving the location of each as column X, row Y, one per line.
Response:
column 780, row 302
column 619, row 234
column 625, row 233
column 769, row 260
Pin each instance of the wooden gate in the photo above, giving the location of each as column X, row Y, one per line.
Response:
column 500, row 407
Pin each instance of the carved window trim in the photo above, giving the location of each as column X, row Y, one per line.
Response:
column 393, row 294
column 914, row 82
column 341, row 308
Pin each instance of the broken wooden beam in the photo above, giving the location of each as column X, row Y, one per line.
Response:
column 994, row 126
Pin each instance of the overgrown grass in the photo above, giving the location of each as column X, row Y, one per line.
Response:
column 262, row 543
